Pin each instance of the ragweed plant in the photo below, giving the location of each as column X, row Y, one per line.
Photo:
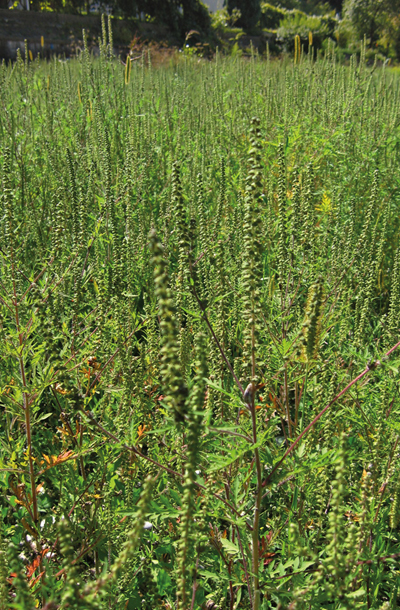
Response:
column 170, row 363
column 311, row 326
column 199, row 332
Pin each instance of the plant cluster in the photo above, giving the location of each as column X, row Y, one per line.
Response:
column 327, row 23
column 199, row 332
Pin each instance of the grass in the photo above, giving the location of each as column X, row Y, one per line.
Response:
column 199, row 316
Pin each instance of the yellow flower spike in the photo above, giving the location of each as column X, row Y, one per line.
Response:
column 297, row 49
column 128, row 67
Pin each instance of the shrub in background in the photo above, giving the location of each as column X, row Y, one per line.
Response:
column 297, row 23
column 344, row 33
column 225, row 27
column 311, row 7
column 271, row 16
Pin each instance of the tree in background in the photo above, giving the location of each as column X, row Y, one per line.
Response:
column 311, row 7
column 129, row 8
column 179, row 15
column 196, row 16
column 372, row 18
column 250, row 11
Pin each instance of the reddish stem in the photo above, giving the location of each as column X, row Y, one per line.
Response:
column 369, row 367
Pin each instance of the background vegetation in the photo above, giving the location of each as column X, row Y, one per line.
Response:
column 274, row 23
column 199, row 318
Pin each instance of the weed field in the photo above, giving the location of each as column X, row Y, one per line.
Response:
column 199, row 323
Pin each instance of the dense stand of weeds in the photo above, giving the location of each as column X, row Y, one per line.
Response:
column 195, row 307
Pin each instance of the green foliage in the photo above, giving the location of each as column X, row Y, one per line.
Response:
column 199, row 316
column 271, row 16
column 225, row 24
column 311, row 7
column 370, row 17
column 297, row 23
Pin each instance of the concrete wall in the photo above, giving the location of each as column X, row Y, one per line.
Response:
column 8, row 49
column 61, row 33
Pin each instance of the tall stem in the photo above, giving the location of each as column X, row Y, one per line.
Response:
column 369, row 368
column 244, row 566
column 258, row 494
column 303, row 406
column 257, row 506
column 25, row 396
column 287, row 402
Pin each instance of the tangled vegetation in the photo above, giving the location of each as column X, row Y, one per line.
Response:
column 199, row 318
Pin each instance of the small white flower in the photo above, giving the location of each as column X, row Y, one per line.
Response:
column 147, row 525
column 197, row 472
column 42, row 523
